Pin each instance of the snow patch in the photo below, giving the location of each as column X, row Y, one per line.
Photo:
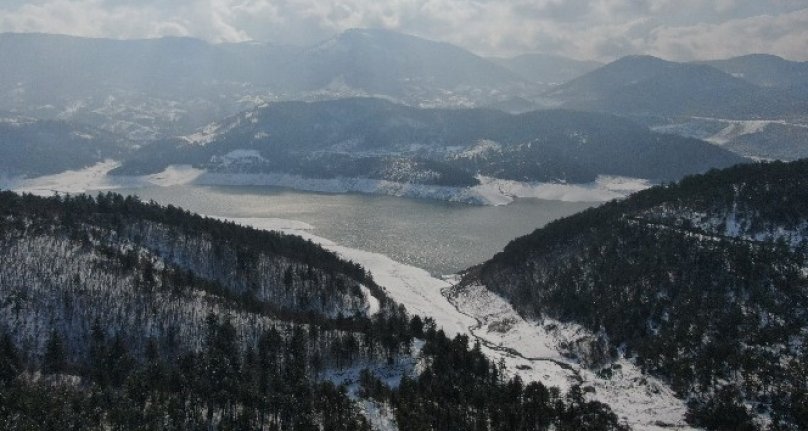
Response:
column 604, row 188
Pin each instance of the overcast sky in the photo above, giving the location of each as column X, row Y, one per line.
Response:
column 585, row 29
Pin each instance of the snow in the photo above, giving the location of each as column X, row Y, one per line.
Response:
column 380, row 416
column 484, row 146
column 373, row 303
column 237, row 157
column 642, row 401
column 96, row 178
column 529, row 349
column 604, row 188
column 491, row 191
column 205, row 136
column 699, row 127
column 73, row 181
column 17, row 121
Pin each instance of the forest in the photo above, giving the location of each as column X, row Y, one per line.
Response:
column 702, row 282
column 120, row 314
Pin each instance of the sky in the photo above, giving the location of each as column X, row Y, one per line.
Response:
column 584, row 29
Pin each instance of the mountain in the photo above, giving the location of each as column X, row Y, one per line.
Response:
column 155, row 88
column 119, row 314
column 372, row 138
column 702, row 283
column 31, row 147
column 644, row 85
column 765, row 70
column 547, row 68
column 382, row 62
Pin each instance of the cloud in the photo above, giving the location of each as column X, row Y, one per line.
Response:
column 599, row 29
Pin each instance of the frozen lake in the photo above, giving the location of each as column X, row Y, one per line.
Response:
column 441, row 237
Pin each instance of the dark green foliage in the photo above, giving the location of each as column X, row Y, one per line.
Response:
column 121, row 366
column 722, row 411
column 463, row 390
column 10, row 362
column 341, row 138
column 270, row 386
column 75, row 216
column 219, row 387
column 30, row 147
column 702, row 281
column 55, row 359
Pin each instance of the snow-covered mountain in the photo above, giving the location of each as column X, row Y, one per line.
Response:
column 162, row 87
column 376, row 139
column 765, row 70
column 138, row 316
column 645, row 85
column 701, row 283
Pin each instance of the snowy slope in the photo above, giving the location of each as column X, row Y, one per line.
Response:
column 533, row 350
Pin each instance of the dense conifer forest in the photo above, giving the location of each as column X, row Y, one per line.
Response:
column 120, row 314
column 704, row 282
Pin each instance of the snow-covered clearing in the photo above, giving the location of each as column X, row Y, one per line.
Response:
column 95, row 178
column 605, row 188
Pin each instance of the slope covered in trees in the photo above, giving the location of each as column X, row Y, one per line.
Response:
column 31, row 147
column 704, row 283
column 645, row 85
column 119, row 314
column 374, row 138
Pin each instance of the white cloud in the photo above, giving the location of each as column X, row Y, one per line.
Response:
column 602, row 29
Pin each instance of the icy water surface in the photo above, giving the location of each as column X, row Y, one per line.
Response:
column 440, row 237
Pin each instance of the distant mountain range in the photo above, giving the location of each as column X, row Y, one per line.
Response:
column 151, row 91
column 147, row 89
column 765, row 70
column 702, row 282
column 372, row 138
column 644, row 85
column 156, row 88
column 546, row 68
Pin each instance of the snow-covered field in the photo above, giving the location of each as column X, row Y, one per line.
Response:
column 529, row 349
column 728, row 130
column 491, row 191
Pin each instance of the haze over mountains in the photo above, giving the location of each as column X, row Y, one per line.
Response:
column 158, row 87
column 147, row 92
column 376, row 139
column 683, row 305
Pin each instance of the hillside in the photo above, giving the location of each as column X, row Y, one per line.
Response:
column 547, row 69
column 154, row 88
column 645, row 85
column 765, row 70
column 31, row 147
column 702, row 283
column 119, row 314
column 372, row 138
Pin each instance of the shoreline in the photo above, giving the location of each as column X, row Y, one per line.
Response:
column 490, row 191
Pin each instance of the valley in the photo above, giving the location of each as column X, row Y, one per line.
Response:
column 376, row 231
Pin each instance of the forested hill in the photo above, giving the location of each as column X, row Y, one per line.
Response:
column 374, row 138
column 704, row 282
column 119, row 314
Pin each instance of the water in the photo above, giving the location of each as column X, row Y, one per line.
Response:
column 440, row 237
